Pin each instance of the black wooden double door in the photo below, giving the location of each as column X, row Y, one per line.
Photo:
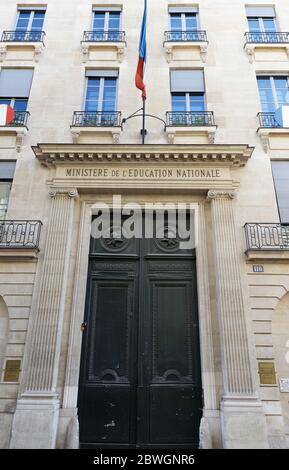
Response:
column 140, row 383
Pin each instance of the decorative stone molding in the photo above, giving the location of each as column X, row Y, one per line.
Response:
column 52, row 154
column 216, row 194
column 20, row 134
column 269, row 136
column 87, row 47
column 250, row 50
column 193, row 132
column 3, row 51
column 97, row 132
column 265, row 141
column 170, row 47
column 37, row 47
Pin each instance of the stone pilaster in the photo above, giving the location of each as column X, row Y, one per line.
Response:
column 36, row 416
column 243, row 421
column 210, row 426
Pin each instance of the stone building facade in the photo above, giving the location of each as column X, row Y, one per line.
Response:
column 71, row 153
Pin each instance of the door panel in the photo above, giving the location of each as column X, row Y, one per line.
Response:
column 140, row 380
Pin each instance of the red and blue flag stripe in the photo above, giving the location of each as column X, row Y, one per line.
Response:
column 139, row 78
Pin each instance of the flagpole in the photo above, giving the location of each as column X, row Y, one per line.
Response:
column 143, row 120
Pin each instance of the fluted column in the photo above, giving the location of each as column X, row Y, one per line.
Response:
column 39, row 404
column 243, row 417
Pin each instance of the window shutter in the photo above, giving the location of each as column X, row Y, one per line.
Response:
column 183, row 10
column 184, row 81
column 101, row 73
column 281, row 179
column 260, row 12
column 15, row 83
column 107, row 8
column 7, row 170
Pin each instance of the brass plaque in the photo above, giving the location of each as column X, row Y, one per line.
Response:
column 12, row 370
column 267, row 373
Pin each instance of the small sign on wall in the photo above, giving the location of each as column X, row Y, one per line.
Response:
column 12, row 370
column 284, row 385
column 267, row 373
column 258, row 268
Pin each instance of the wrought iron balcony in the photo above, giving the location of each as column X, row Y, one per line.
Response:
column 23, row 36
column 185, row 36
column 97, row 119
column 104, row 36
column 267, row 236
column 267, row 38
column 268, row 120
column 20, row 119
column 190, row 119
column 20, row 234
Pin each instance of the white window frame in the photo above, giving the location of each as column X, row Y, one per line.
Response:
column 273, row 87
column 101, row 94
column 183, row 19
column 106, row 19
column 188, row 101
column 5, row 183
column 31, row 18
column 261, row 23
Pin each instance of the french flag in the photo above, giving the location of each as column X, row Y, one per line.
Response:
column 6, row 115
column 142, row 54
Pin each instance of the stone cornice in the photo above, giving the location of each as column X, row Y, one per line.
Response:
column 54, row 154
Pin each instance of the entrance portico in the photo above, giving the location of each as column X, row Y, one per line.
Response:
column 78, row 177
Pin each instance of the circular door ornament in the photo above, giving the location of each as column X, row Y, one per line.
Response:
column 167, row 239
column 114, row 239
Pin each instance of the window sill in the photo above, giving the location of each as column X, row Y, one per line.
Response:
column 16, row 132
column 275, row 138
column 100, row 51
column 22, row 50
column 191, row 134
column 258, row 51
column 186, row 50
column 99, row 134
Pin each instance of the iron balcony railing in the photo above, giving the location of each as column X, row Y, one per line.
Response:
column 97, row 119
column 267, row 236
column 23, row 36
column 192, row 118
column 267, row 38
column 20, row 233
column 268, row 120
column 104, row 36
column 183, row 36
column 20, row 119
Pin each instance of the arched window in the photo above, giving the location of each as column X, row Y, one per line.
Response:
column 4, row 324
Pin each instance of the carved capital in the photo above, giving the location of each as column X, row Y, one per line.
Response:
column 3, row 51
column 120, row 53
column 85, row 52
column 37, row 52
column 251, row 53
column 70, row 193
column 265, row 142
column 221, row 194
column 169, row 53
column 203, row 52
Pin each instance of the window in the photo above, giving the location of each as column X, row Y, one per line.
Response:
column 187, row 91
column 15, row 87
column 261, row 19
column 281, row 179
column 101, row 91
column 183, row 19
column 274, row 92
column 30, row 20
column 106, row 20
column 6, row 177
